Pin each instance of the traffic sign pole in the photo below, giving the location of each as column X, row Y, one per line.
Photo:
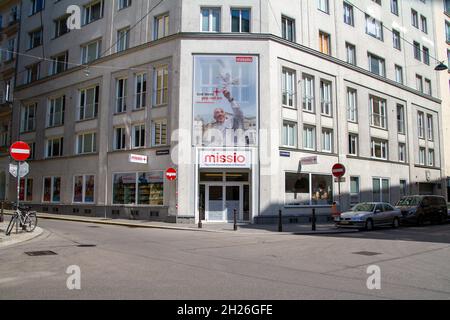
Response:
column 18, row 195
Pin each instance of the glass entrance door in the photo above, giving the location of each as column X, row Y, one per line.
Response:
column 215, row 209
column 233, row 202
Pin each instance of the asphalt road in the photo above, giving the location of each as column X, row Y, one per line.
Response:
column 131, row 263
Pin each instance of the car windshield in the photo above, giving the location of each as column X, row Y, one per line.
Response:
column 409, row 201
column 363, row 207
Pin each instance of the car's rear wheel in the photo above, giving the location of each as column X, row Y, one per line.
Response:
column 369, row 225
column 395, row 223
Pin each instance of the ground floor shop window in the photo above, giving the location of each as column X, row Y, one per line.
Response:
column 83, row 189
column 52, row 189
column 143, row 188
column 308, row 189
column 26, row 189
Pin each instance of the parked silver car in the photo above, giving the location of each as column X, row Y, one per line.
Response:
column 368, row 215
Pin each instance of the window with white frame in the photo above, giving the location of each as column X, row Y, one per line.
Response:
column 379, row 149
column 140, row 100
column 394, row 7
column 52, row 189
column 83, row 188
column 401, row 127
column 398, row 74
column 423, row 22
column 323, row 5
column 348, row 14
column 288, row 87
column 426, row 55
column 159, row 132
column 288, row 28
column 325, row 42
column 401, row 152
column 28, row 118
column 35, row 38
column 36, row 6
column 352, row 107
column 59, row 62
column 138, row 136
column 325, row 98
column 60, row 26
column 161, row 26
column 289, row 134
column 380, row 190
column 161, row 85
column 431, row 157
column 308, row 93
column 54, row 147
column 122, row 4
column 378, row 112
column 86, row 143
column 309, row 137
column 403, row 188
column 422, row 156
column 417, row 52
column 327, row 140
column 121, row 95
column 396, row 39
column 307, row 189
column 33, row 72
column 354, row 190
column 430, row 133
column 353, row 144
column 427, row 87
column 8, row 90
column 376, row 65
column 93, row 11
column 414, row 18
column 90, row 51
column 210, row 19
column 374, row 27
column 10, row 54
column 351, row 53
column 421, row 125
column 119, row 138
column 419, row 83
column 123, row 39
column 55, row 111
column 88, row 107
column 240, row 20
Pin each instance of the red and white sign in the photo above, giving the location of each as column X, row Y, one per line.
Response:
column 171, row 174
column 137, row 158
column 244, row 59
column 225, row 159
column 20, row 151
column 338, row 170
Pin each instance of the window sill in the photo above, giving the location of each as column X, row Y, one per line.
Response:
column 56, row 126
column 138, row 109
column 119, row 113
column 85, row 120
column 379, row 128
column 160, row 105
column 289, row 107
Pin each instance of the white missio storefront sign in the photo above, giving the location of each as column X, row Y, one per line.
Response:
column 225, row 159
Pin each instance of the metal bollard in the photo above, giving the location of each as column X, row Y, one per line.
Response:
column 235, row 220
column 280, row 221
column 313, row 219
column 200, row 222
column 1, row 212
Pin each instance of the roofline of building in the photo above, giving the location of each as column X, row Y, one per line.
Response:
column 236, row 36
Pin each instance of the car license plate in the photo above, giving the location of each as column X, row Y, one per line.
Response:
column 344, row 222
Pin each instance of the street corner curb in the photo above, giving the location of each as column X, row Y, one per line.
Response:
column 14, row 239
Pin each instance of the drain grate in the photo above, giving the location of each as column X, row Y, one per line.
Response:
column 41, row 253
column 94, row 227
column 86, row 245
column 367, row 253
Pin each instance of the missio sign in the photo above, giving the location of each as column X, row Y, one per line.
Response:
column 225, row 159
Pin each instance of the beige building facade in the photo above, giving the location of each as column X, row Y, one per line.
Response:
column 309, row 85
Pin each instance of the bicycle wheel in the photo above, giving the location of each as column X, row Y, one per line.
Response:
column 30, row 222
column 11, row 224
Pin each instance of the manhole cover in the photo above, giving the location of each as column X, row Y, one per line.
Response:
column 86, row 245
column 367, row 253
column 41, row 253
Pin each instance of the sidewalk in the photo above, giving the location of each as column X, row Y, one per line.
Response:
column 14, row 238
column 243, row 228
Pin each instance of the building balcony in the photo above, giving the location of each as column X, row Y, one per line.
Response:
column 5, row 107
column 12, row 28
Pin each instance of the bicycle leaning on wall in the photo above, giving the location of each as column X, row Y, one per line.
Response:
column 23, row 218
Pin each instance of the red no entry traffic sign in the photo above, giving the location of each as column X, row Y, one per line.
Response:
column 338, row 170
column 171, row 174
column 20, row 151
